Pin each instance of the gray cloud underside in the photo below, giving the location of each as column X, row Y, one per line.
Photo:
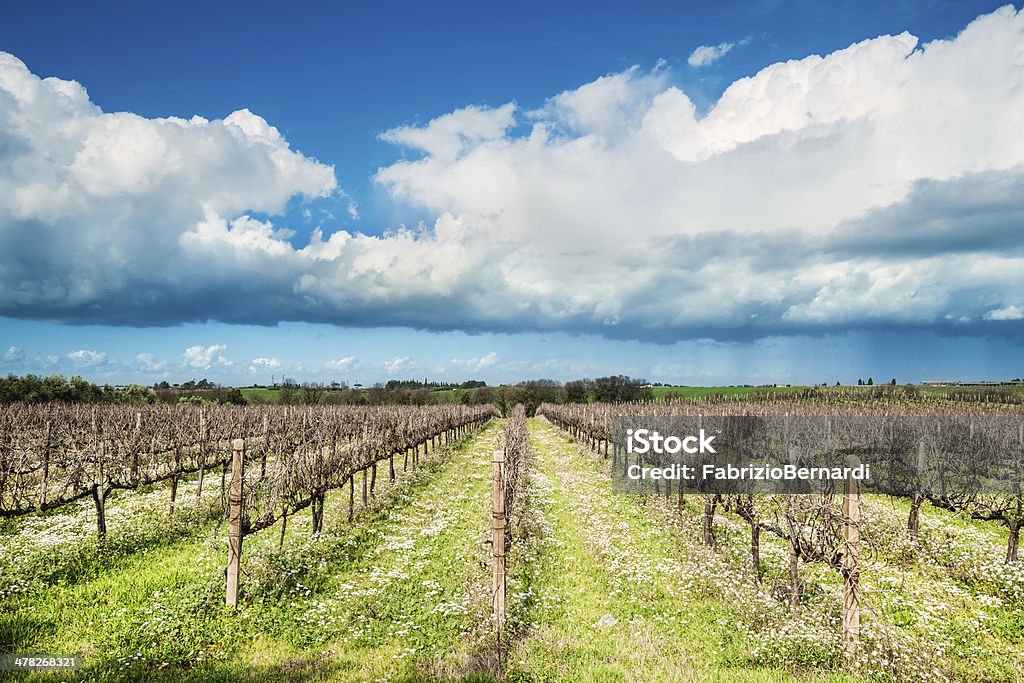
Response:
column 881, row 186
column 935, row 247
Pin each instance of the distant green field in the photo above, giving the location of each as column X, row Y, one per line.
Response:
column 699, row 392
column 266, row 395
column 455, row 395
column 1016, row 389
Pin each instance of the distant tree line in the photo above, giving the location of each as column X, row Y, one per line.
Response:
column 56, row 388
column 611, row 389
column 531, row 393
column 203, row 391
column 394, row 384
column 312, row 393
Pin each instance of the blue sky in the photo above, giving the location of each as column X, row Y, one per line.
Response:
column 511, row 192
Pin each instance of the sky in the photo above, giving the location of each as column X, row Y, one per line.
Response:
column 694, row 193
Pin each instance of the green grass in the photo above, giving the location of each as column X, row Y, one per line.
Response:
column 259, row 395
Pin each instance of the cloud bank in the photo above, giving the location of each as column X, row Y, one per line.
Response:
column 877, row 186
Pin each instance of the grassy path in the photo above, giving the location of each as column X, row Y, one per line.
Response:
column 413, row 602
column 605, row 593
column 401, row 593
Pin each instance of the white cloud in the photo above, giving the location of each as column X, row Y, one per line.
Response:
column 479, row 363
column 13, row 354
column 107, row 197
column 204, row 357
column 448, row 135
column 708, row 54
column 485, row 361
column 830, row 191
column 263, row 364
column 343, row 364
column 1006, row 313
column 87, row 357
column 611, row 107
column 147, row 362
column 782, row 161
column 397, row 364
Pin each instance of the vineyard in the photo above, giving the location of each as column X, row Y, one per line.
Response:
column 448, row 543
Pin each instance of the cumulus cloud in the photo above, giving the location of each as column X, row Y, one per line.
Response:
column 147, row 362
column 708, row 54
column 397, row 364
column 449, row 135
column 263, row 364
column 87, row 357
column 879, row 185
column 343, row 364
column 479, row 363
column 744, row 220
column 14, row 354
column 1006, row 313
column 204, row 357
column 94, row 205
column 484, row 361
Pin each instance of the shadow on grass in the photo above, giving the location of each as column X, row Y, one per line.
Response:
column 19, row 631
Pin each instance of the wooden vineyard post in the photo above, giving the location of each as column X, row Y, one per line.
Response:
column 136, row 445
column 99, row 487
column 498, row 543
column 917, row 498
column 318, row 513
column 365, row 474
column 202, row 453
column 46, row 465
column 351, row 495
column 284, row 527
column 174, row 477
column 794, row 545
column 851, row 563
column 235, row 529
column 266, row 446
